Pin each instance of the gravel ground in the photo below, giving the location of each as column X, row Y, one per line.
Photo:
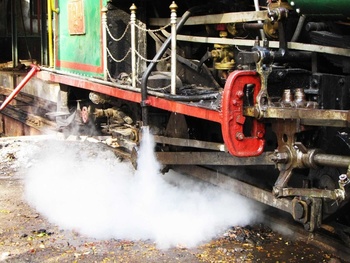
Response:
column 27, row 236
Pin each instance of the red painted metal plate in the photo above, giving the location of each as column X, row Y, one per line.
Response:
column 160, row 103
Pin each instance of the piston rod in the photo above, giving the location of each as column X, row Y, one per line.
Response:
column 331, row 160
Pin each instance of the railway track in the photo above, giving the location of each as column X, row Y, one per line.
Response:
column 332, row 237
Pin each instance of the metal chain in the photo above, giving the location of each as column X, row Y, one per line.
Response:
column 118, row 60
column 139, row 27
column 110, row 77
column 152, row 30
column 151, row 60
column 159, row 89
column 138, row 54
column 122, row 36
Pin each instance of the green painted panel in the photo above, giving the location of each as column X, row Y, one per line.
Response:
column 79, row 37
column 322, row 7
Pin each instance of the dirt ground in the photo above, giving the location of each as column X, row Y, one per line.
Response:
column 26, row 236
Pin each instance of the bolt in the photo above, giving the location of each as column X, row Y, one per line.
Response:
column 314, row 83
column 307, row 226
column 280, row 74
column 239, row 136
column 275, row 191
column 257, row 113
column 239, row 94
column 260, row 134
column 343, row 179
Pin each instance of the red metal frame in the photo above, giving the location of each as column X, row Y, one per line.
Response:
column 233, row 119
column 160, row 103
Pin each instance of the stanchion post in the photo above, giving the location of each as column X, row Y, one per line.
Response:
column 133, row 9
column 104, row 41
column 173, row 19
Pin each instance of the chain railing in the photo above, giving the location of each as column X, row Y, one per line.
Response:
column 132, row 26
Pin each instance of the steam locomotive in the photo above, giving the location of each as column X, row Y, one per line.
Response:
column 255, row 88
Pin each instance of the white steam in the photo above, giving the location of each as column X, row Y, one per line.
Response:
column 89, row 190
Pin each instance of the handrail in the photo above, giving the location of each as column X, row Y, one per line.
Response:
column 50, row 9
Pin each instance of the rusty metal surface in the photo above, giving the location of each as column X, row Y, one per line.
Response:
column 30, row 99
column 313, row 117
column 211, row 158
column 17, row 122
column 190, row 143
column 310, row 192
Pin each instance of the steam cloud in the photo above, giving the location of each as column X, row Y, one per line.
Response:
column 89, row 190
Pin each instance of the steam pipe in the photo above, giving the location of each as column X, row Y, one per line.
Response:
column 24, row 81
column 160, row 53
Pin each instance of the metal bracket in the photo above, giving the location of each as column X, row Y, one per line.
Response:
column 233, row 120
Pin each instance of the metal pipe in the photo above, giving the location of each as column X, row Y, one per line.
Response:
column 298, row 28
column 319, row 26
column 173, row 17
column 49, row 26
column 133, row 9
column 24, row 81
column 160, row 53
column 332, row 160
column 50, row 9
column 43, row 35
column 257, row 9
column 249, row 26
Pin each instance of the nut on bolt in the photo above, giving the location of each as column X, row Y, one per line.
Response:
column 343, row 179
column 239, row 136
column 279, row 157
